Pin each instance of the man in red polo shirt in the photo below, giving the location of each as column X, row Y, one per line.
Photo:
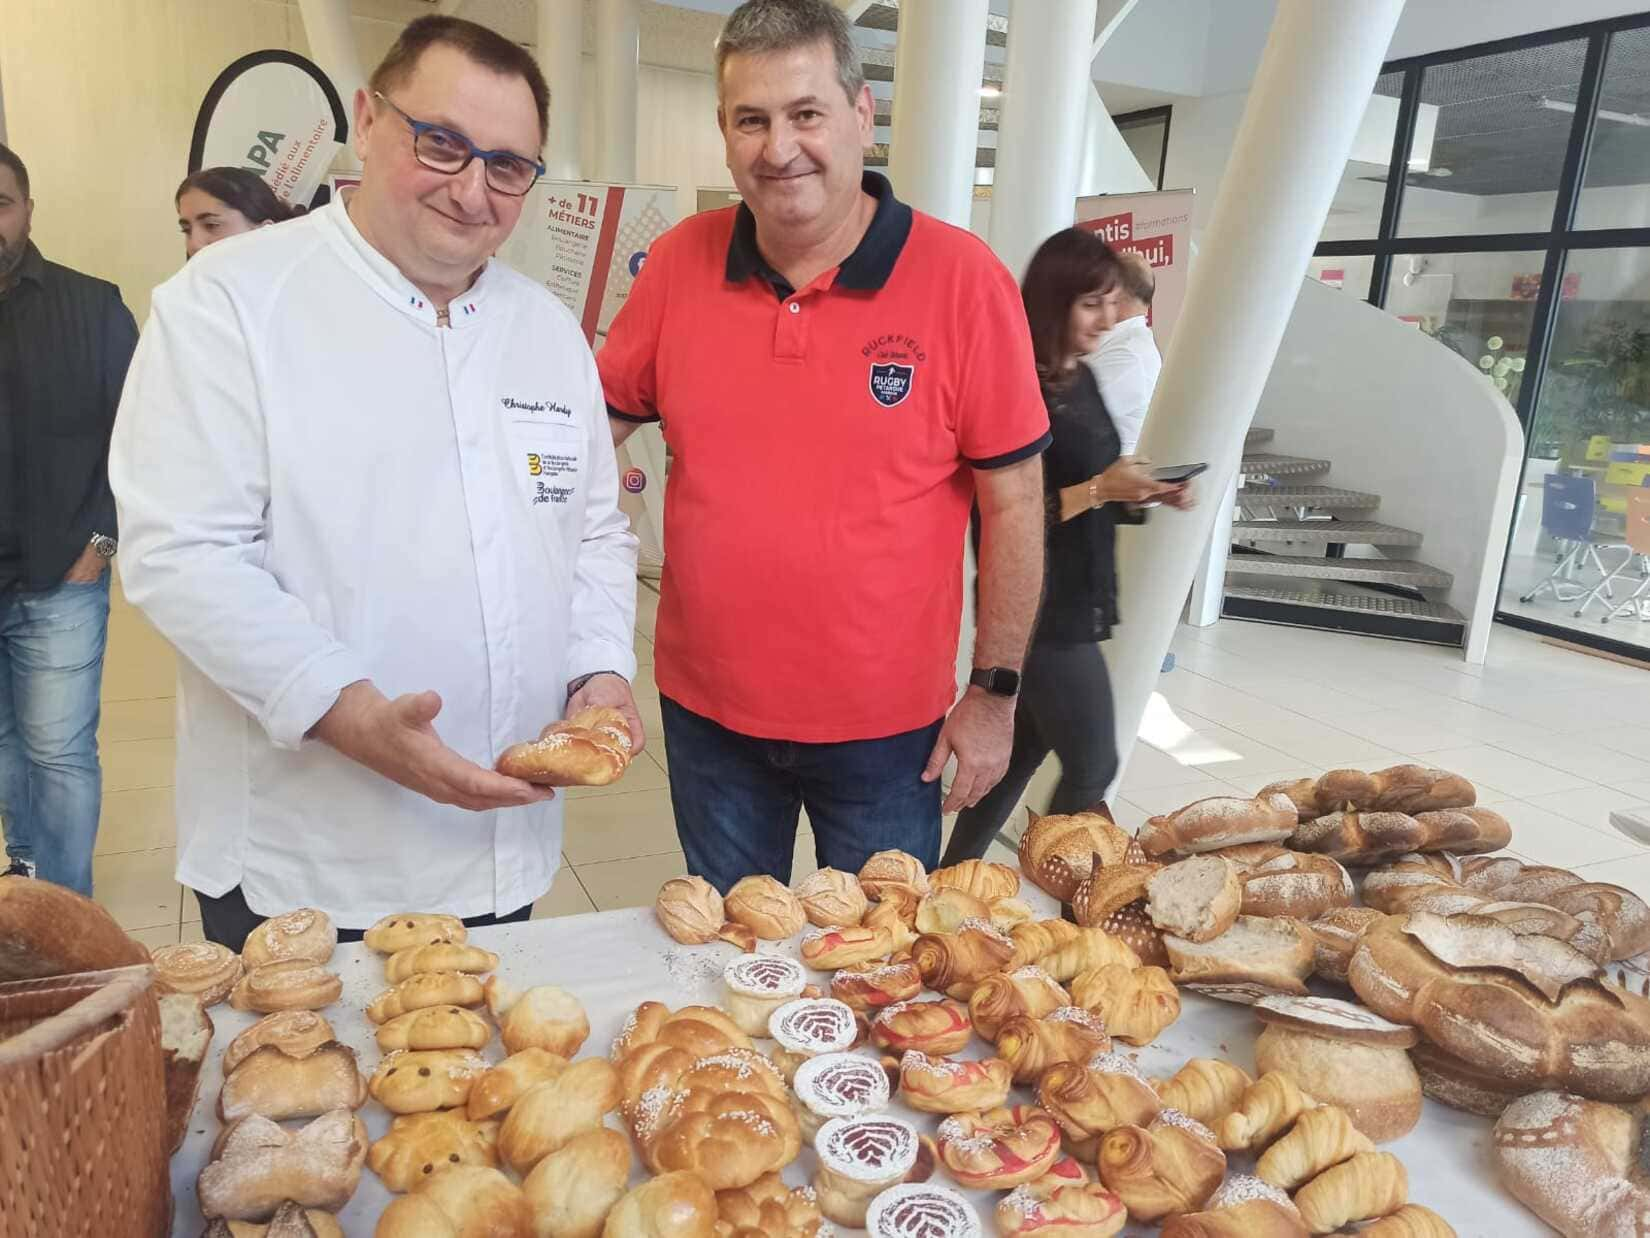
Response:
column 839, row 378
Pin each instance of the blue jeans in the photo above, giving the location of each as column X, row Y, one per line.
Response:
column 736, row 798
column 51, row 677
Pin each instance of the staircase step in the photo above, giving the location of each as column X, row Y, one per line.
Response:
column 1321, row 497
column 1346, row 532
column 1347, row 609
column 1405, row 572
column 1269, row 464
column 878, row 63
column 1256, row 436
column 884, row 15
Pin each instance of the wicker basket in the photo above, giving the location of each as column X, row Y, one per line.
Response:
column 83, row 1108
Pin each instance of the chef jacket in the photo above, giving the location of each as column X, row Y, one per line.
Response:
column 317, row 484
column 1126, row 366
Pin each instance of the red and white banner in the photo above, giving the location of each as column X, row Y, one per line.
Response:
column 588, row 242
column 275, row 114
column 1158, row 226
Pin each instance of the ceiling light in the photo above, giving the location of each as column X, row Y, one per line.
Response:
column 1621, row 118
column 989, row 92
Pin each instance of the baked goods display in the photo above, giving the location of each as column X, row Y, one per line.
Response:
column 257, row 1166
column 306, row 934
column 590, row 749
column 186, row 1032
column 295, row 984
column 289, row 1221
column 203, row 968
column 1273, row 1131
column 1368, row 837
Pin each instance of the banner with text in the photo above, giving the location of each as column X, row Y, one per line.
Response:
column 1157, row 226
column 587, row 243
column 274, row 114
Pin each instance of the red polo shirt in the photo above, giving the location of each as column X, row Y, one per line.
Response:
column 822, row 441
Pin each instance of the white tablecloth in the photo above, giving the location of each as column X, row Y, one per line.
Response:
column 615, row 960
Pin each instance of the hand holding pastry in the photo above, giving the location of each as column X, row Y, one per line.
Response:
column 592, row 748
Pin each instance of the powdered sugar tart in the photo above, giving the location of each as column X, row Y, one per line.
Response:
column 873, row 1148
column 842, row 1085
column 765, row 975
column 921, row 1210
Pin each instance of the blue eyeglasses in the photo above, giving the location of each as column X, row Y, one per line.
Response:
column 449, row 152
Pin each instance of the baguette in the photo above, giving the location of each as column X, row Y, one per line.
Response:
column 1220, row 821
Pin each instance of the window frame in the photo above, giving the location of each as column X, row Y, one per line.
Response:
column 1555, row 243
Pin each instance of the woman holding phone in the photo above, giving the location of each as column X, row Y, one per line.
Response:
column 1071, row 289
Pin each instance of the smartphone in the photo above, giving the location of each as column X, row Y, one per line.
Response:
column 1177, row 473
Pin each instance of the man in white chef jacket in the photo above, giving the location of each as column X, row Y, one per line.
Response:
column 367, row 489
column 1127, row 364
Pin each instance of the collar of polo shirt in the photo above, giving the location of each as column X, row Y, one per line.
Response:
column 866, row 269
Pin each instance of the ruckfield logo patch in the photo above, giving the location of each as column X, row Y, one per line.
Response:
column 890, row 384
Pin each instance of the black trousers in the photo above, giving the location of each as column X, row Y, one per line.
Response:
column 1065, row 707
column 227, row 920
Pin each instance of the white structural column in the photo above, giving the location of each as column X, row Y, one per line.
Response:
column 332, row 46
column 939, row 57
column 1040, row 135
column 617, row 71
column 561, row 60
column 1309, row 96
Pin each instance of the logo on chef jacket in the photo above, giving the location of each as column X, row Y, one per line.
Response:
column 538, row 408
column 894, row 360
column 635, row 481
column 637, row 261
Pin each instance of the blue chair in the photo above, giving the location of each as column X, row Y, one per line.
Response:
column 1568, row 506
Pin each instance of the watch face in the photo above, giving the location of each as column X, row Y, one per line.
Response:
column 997, row 680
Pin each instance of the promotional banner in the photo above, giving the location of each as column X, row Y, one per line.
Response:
column 587, row 243
column 276, row 114
column 1158, row 226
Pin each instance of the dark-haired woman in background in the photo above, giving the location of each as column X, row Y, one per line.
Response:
column 1065, row 706
column 218, row 202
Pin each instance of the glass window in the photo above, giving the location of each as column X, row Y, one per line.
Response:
column 1615, row 190
column 1146, row 133
column 1350, row 273
column 1591, row 433
column 1479, row 305
column 1355, row 214
column 1490, row 142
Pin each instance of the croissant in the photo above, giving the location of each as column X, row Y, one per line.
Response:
column 936, row 1028
column 1205, row 1089
column 1265, row 1111
column 955, row 963
column 1371, row 1184
column 940, row 1085
column 1167, row 1168
column 944, row 910
column 1255, row 1218
column 1410, row 1221
column 1028, row 991
column 1000, row 1149
column 1090, row 1100
column 1080, row 1210
column 1040, row 937
column 1321, row 1138
column 1030, row 1046
column 890, row 914
column 1135, row 1003
column 984, row 879
column 1090, row 949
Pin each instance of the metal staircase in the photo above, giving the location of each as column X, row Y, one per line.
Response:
column 1289, row 562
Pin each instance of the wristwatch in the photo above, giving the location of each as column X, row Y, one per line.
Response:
column 104, row 545
column 997, row 680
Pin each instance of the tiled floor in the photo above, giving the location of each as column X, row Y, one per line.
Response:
column 1554, row 739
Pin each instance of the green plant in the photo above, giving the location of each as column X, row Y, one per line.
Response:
column 1602, row 388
